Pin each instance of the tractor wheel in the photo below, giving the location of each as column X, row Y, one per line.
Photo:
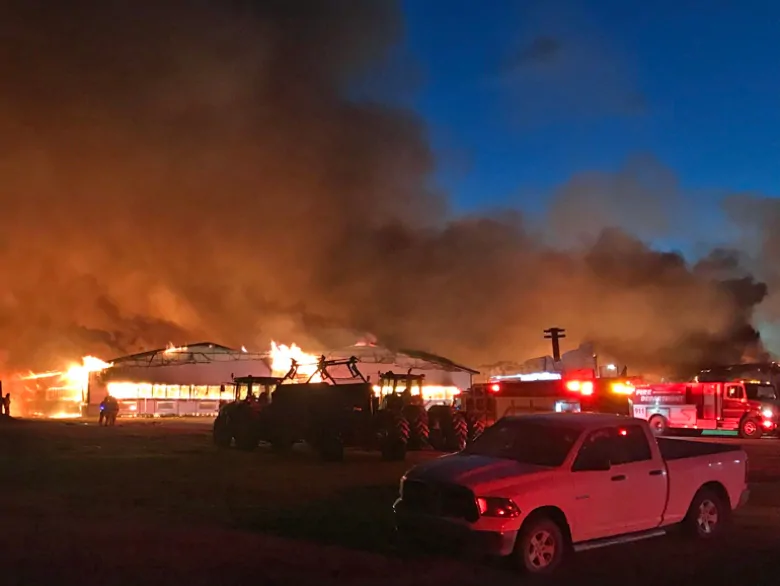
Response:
column 244, row 432
column 221, row 432
column 418, row 426
column 476, row 427
column 394, row 438
column 246, row 440
column 460, row 432
column 331, row 447
column 439, row 424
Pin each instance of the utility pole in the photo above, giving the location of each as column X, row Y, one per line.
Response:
column 555, row 334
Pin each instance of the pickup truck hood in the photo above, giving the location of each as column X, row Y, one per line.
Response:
column 476, row 472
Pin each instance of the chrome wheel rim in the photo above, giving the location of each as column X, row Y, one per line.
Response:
column 750, row 428
column 541, row 550
column 707, row 519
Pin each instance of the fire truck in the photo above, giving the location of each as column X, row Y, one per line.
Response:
column 749, row 407
column 575, row 391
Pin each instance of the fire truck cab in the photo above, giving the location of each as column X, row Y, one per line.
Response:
column 748, row 407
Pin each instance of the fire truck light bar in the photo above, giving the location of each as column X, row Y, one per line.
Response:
column 528, row 377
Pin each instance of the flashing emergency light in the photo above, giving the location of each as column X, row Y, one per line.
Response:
column 528, row 377
column 583, row 387
column 622, row 388
column 495, row 387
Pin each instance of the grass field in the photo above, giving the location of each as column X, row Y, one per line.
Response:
column 156, row 503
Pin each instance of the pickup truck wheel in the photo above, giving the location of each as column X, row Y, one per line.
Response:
column 707, row 515
column 750, row 429
column 540, row 547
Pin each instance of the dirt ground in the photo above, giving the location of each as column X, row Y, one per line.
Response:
column 154, row 503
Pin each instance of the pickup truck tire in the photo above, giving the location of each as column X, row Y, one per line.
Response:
column 750, row 428
column 541, row 547
column 708, row 514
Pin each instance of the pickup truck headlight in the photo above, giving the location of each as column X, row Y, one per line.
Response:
column 497, row 507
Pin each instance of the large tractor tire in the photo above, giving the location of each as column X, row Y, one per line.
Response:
column 419, row 430
column 331, row 448
column 394, row 438
column 439, row 424
column 476, row 427
column 459, row 435
column 244, row 431
column 221, row 432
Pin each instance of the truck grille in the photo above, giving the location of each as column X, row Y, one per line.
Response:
column 440, row 500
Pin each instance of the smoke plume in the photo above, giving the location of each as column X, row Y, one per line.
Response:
column 187, row 170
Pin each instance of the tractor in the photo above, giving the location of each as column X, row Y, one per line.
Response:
column 440, row 425
column 328, row 416
column 236, row 418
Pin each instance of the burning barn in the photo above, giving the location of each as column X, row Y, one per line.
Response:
column 192, row 380
column 187, row 380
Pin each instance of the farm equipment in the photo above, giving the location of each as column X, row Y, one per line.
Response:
column 441, row 426
column 237, row 419
column 328, row 416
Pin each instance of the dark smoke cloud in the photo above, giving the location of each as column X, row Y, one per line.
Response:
column 178, row 171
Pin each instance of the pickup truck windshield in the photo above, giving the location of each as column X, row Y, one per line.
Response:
column 758, row 392
column 528, row 442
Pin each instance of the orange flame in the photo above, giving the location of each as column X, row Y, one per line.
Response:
column 171, row 349
column 283, row 355
column 72, row 383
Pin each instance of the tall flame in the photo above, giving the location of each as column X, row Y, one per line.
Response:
column 283, row 355
column 70, row 385
column 78, row 374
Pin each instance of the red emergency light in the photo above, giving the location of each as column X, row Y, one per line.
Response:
column 494, row 388
column 585, row 388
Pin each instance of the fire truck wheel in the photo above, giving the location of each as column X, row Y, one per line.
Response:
column 708, row 514
column 658, row 424
column 221, row 432
column 750, row 428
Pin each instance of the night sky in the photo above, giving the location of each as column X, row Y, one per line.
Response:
column 519, row 96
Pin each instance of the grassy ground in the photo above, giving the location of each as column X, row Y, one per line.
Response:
column 155, row 503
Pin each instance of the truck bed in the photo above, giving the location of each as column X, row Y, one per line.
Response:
column 678, row 449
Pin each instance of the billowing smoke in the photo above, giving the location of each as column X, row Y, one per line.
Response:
column 176, row 171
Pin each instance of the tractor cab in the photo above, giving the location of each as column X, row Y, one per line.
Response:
column 396, row 391
column 254, row 389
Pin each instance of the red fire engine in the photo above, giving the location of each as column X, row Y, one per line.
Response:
column 749, row 407
column 575, row 391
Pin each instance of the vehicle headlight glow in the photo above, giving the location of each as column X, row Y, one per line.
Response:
column 767, row 413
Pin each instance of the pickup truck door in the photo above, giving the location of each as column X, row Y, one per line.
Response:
column 595, row 501
column 642, row 475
